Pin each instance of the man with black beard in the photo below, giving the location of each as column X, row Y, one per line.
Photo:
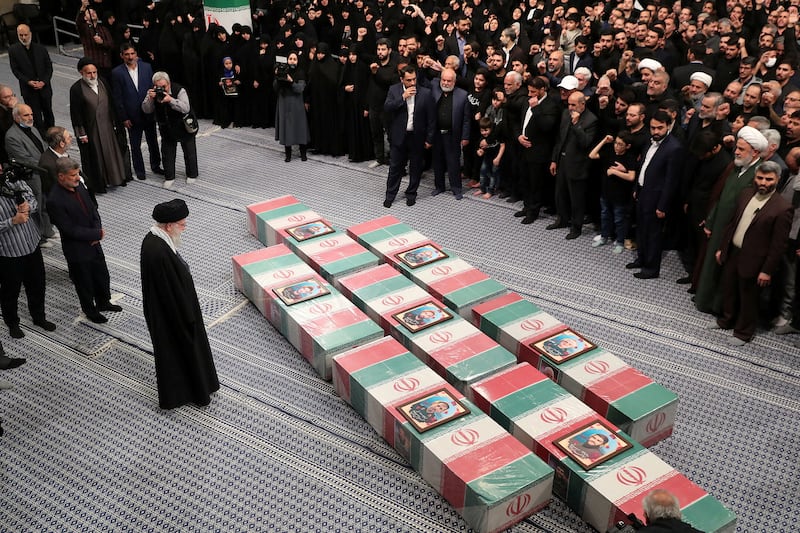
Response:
column 384, row 75
column 750, row 252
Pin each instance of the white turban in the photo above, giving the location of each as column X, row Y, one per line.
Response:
column 754, row 138
column 650, row 64
column 702, row 77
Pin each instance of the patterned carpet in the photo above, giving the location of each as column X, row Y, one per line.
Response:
column 86, row 447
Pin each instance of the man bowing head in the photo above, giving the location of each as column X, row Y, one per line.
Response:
column 185, row 370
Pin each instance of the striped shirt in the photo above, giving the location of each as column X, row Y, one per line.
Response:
column 17, row 240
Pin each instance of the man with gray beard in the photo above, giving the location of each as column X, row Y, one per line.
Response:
column 185, row 370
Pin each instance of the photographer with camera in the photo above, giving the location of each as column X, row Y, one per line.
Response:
column 20, row 255
column 170, row 103
column 291, row 123
column 662, row 513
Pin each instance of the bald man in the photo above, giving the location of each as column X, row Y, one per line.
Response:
column 31, row 65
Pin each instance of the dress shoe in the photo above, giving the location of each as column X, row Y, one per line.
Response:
column 521, row 213
column 735, row 341
column 16, row 332
column 436, row 192
column 141, row 177
column 411, row 201
column 529, row 219
column 574, row 234
column 110, row 307
column 45, row 325
column 556, row 225
column 633, row 264
column 458, row 195
column 387, row 203
column 684, row 280
column 124, row 183
column 503, row 194
column 785, row 329
column 7, row 363
column 97, row 318
column 158, row 170
column 645, row 275
column 512, row 199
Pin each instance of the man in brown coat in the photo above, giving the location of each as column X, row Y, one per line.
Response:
column 750, row 252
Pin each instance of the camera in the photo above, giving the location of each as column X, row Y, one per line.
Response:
column 12, row 173
column 161, row 92
column 622, row 527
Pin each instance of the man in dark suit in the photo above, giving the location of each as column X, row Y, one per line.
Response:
column 24, row 144
column 658, row 181
column 751, row 251
column 570, row 163
column 539, row 131
column 681, row 76
column 31, row 65
column 451, row 133
column 580, row 57
column 77, row 218
column 129, row 84
column 413, row 120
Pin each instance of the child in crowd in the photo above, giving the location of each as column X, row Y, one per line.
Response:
column 491, row 150
column 496, row 114
column 616, row 199
column 228, row 100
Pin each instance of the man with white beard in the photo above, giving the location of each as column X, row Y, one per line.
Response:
column 749, row 147
column 185, row 370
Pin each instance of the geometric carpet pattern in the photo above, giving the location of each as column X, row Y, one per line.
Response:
column 86, row 447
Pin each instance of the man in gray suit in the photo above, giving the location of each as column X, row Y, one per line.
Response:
column 24, row 144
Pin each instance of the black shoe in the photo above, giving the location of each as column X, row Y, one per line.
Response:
column 573, row 234
column 550, row 210
column 141, row 177
column 387, row 203
column 7, row 363
column 45, row 325
column 529, row 219
column 645, row 275
column 684, row 280
column 97, row 318
column 521, row 213
column 503, row 194
column 16, row 332
column 124, row 183
column 110, row 307
column 411, row 201
column 512, row 199
column 158, row 170
column 633, row 264
column 691, row 290
column 436, row 192
column 556, row 225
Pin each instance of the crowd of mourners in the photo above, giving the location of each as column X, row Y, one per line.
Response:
column 669, row 126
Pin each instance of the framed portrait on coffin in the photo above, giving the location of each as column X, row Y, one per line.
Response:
column 432, row 410
column 309, row 230
column 563, row 346
column 301, row 291
column 420, row 256
column 592, row 444
column 422, row 316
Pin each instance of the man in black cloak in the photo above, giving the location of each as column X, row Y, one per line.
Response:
column 184, row 366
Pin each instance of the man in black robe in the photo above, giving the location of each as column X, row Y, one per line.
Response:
column 184, row 366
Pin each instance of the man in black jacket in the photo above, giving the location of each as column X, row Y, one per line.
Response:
column 31, row 65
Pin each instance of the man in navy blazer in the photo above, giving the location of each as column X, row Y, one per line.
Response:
column 76, row 216
column 128, row 98
column 451, row 133
column 413, row 120
column 657, row 183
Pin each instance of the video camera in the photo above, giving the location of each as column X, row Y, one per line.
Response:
column 12, row 173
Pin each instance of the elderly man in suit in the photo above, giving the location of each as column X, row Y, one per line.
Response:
column 751, row 251
column 31, row 65
column 656, row 186
column 451, row 133
column 24, row 144
column 539, row 130
column 129, row 84
column 76, row 216
column 570, row 163
column 413, row 121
